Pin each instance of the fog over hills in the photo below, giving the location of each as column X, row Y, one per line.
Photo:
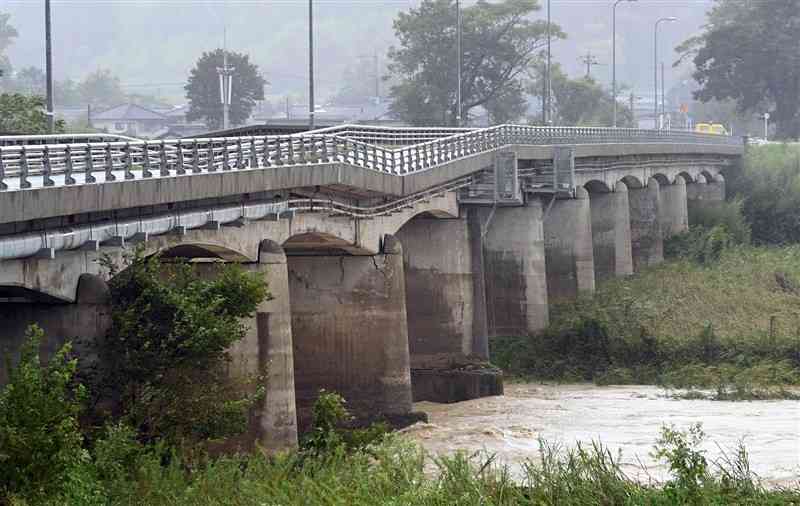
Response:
column 152, row 44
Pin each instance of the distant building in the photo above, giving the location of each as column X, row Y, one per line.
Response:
column 132, row 120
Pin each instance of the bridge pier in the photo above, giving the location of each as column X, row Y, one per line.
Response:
column 350, row 333
column 269, row 342
column 514, row 268
column 647, row 240
column 611, row 232
column 88, row 318
column 446, row 307
column 569, row 258
column 673, row 212
column 706, row 192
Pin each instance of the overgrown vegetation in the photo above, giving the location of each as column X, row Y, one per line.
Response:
column 378, row 469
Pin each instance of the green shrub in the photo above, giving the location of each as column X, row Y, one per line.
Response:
column 41, row 453
column 164, row 362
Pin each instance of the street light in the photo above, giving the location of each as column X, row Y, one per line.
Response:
column 548, row 88
column 311, row 64
column 458, row 72
column 670, row 19
column 614, row 57
column 48, row 54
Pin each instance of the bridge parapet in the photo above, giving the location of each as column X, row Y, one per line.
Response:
column 36, row 166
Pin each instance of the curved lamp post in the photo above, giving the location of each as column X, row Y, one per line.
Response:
column 670, row 19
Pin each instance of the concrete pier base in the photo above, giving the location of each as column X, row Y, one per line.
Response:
column 673, row 212
column 647, row 239
column 350, row 332
column 568, row 247
column 611, row 233
column 514, row 268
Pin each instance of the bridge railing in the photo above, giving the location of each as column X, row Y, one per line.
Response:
column 28, row 166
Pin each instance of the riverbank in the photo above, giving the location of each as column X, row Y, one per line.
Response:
column 732, row 326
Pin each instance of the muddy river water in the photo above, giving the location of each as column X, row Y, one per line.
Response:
column 624, row 418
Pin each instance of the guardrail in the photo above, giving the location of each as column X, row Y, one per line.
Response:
column 20, row 140
column 27, row 166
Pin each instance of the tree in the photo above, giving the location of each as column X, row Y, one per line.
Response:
column 579, row 102
column 7, row 35
column 203, row 91
column 23, row 114
column 498, row 41
column 164, row 360
column 101, row 89
column 748, row 52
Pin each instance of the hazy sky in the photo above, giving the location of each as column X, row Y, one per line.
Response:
column 152, row 44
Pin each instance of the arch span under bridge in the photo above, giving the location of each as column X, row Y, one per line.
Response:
column 391, row 253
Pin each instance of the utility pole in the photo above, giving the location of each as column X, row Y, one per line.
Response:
column 459, row 63
column 633, row 111
column 548, row 87
column 614, row 59
column 48, row 53
column 589, row 60
column 225, row 82
column 311, row 64
column 663, row 103
column 670, row 19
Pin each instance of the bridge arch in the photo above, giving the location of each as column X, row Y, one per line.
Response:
column 686, row 176
column 662, row 179
column 597, row 186
column 632, row 182
column 191, row 250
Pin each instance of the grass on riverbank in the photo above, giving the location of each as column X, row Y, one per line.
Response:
column 393, row 472
column 732, row 325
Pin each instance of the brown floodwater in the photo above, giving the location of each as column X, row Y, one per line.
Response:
column 625, row 418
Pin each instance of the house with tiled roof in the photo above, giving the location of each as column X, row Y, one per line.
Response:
column 130, row 119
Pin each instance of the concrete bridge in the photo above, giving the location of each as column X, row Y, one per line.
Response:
column 391, row 253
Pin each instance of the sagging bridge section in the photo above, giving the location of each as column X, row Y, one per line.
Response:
column 390, row 253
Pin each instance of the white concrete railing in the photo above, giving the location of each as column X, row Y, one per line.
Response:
column 36, row 166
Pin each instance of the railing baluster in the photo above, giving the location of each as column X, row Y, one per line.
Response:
column 290, row 152
column 265, row 156
column 196, row 169
column 278, row 159
column 239, row 154
column 180, row 169
column 147, row 167
column 211, row 156
column 46, row 169
column 89, row 165
column 128, row 162
column 163, row 168
column 68, row 179
column 3, row 185
column 253, row 154
column 226, row 153
column 109, row 163
column 23, row 169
